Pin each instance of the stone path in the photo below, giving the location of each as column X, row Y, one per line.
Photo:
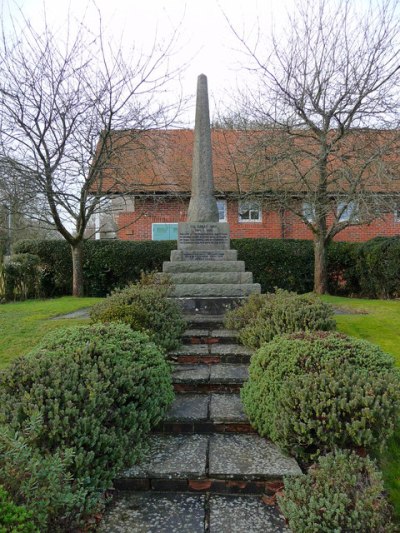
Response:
column 205, row 470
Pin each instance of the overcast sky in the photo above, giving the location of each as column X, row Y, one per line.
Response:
column 206, row 43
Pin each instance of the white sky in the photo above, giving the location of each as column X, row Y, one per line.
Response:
column 206, row 44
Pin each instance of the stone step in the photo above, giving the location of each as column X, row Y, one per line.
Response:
column 209, row 305
column 216, row 289
column 203, row 255
column 209, row 336
column 209, row 463
column 201, row 413
column 202, row 322
column 211, row 354
column 191, row 513
column 209, row 378
column 203, row 266
column 211, row 278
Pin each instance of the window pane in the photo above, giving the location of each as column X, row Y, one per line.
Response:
column 221, row 204
column 249, row 211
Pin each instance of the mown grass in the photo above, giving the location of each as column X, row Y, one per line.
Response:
column 378, row 321
column 23, row 324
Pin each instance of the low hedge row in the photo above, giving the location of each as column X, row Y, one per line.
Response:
column 287, row 264
column 371, row 269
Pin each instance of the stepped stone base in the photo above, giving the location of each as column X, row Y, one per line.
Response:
column 204, row 266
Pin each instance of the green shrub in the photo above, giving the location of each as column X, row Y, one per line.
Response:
column 377, row 266
column 343, row 493
column 21, row 277
column 14, row 518
column 351, row 385
column 263, row 317
column 145, row 307
column 337, row 406
column 99, row 390
column 41, row 481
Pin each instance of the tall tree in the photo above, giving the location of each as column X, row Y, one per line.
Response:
column 328, row 84
column 62, row 94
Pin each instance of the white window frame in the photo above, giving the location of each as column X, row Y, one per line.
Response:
column 397, row 214
column 350, row 213
column 308, row 210
column 242, row 207
column 222, row 206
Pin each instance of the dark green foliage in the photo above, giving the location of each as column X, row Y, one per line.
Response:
column 377, row 267
column 287, row 264
column 99, row 390
column 311, row 392
column 342, row 275
column 342, row 493
column 264, row 316
column 21, row 276
column 14, row 518
column 106, row 265
column 41, row 481
column 145, row 307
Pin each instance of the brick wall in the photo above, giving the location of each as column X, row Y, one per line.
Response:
column 137, row 225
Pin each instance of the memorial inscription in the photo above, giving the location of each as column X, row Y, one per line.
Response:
column 209, row 236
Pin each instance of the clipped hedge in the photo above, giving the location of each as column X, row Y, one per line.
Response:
column 312, row 392
column 287, row 264
column 377, row 267
column 99, row 390
column 263, row 316
column 343, row 492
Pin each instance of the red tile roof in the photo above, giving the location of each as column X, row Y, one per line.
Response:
column 160, row 161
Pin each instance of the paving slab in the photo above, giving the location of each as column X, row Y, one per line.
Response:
column 226, row 408
column 196, row 333
column 191, row 349
column 248, row 457
column 230, row 349
column 188, row 408
column 190, row 373
column 155, row 513
column 229, row 373
column 172, row 456
column 244, row 514
column 224, row 333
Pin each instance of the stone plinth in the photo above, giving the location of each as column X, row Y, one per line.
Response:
column 210, row 236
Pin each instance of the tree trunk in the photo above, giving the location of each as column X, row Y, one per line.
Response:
column 320, row 266
column 77, row 269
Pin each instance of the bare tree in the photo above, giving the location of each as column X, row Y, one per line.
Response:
column 329, row 85
column 62, row 95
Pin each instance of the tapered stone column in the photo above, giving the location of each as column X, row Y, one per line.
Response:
column 207, row 276
column 203, row 205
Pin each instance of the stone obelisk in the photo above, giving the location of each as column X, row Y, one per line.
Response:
column 208, row 277
column 203, row 205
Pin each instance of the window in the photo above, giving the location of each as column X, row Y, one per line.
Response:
column 221, row 204
column 164, row 232
column 249, row 211
column 397, row 214
column 309, row 211
column 346, row 211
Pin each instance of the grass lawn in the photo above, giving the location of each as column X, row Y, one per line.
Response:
column 23, row 324
column 379, row 324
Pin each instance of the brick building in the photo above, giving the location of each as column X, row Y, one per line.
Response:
column 149, row 186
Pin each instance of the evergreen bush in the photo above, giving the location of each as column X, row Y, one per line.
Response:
column 99, row 389
column 21, row 277
column 145, row 307
column 343, row 493
column 14, row 518
column 262, row 317
column 311, row 392
column 41, row 481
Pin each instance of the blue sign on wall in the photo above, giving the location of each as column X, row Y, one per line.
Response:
column 165, row 232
